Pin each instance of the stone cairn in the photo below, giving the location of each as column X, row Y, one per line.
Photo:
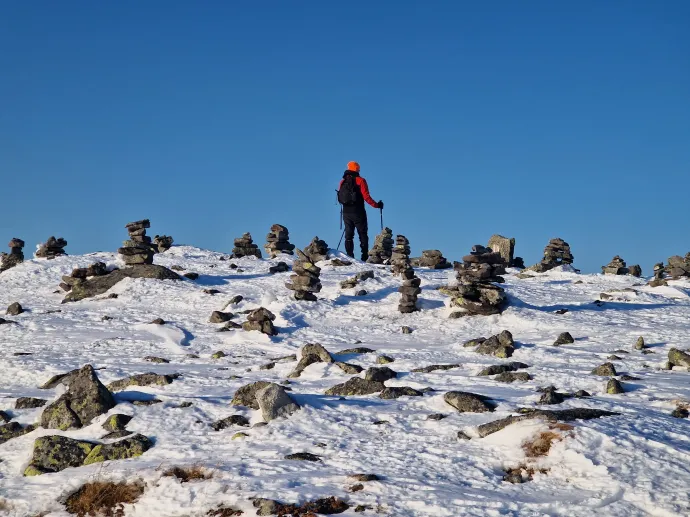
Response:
column 15, row 257
column 475, row 292
column 278, row 241
column 658, row 279
column 400, row 259
column 305, row 278
column 245, row 247
column 51, row 248
column 162, row 243
column 383, row 248
column 506, row 248
column 617, row 266
column 433, row 259
column 138, row 248
column 410, row 291
column 557, row 253
column 82, row 273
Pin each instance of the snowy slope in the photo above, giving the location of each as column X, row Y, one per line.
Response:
column 637, row 463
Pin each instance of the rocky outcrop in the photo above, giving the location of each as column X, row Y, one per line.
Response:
column 86, row 398
column 100, row 284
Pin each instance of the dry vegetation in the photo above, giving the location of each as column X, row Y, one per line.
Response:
column 541, row 444
column 185, row 474
column 103, row 498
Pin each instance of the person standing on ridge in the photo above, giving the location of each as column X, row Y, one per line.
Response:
column 352, row 193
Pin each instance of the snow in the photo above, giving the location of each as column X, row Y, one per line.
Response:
column 633, row 464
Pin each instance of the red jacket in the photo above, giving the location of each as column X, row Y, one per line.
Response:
column 363, row 188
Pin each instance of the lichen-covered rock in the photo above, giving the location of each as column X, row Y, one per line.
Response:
column 380, row 374
column 356, row 386
column 59, row 379
column 399, row 391
column 357, row 350
column 614, row 387
column 513, row 376
column 29, row 403
column 55, row 453
column 348, row 368
column 605, row 370
column 231, row 420
column 86, row 398
column 640, row 344
column 551, row 396
column 384, row 359
column 246, row 395
column 563, row 415
column 13, row 430
column 678, row 358
column 116, row 422
column 142, row 379
column 500, row 345
column 564, row 339
column 274, row 402
column 466, row 402
column 220, row 317
column 496, row 369
column 121, row 450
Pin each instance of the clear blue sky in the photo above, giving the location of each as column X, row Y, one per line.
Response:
column 533, row 119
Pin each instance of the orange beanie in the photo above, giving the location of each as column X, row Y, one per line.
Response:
column 353, row 166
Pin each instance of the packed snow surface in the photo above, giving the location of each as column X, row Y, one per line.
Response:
column 637, row 463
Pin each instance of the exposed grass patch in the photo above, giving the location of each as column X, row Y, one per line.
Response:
column 185, row 474
column 103, row 498
column 541, row 444
column 522, row 473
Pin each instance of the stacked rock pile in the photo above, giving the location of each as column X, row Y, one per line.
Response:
column 635, row 270
column 15, row 257
column 317, row 250
column 433, row 259
column 261, row 320
column 557, row 253
column 678, row 266
column 278, row 241
column 506, row 248
column 383, row 248
column 400, row 259
column 162, row 243
column 82, row 273
column 617, row 266
column 245, row 247
column 138, row 248
column 475, row 292
column 658, row 279
column 305, row 278
column 409, row 290
column 51, row 248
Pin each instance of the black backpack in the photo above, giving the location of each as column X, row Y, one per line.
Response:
column 349, row 192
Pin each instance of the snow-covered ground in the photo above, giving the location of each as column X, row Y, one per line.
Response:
column 637, row 463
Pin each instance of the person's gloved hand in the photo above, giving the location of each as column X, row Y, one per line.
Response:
column 380, row 205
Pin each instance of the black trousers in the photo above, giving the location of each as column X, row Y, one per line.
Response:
column 357, row 220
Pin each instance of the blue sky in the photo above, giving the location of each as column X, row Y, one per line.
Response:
column 532, row 119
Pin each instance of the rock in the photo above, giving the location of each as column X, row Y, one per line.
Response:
column 436, row 416
column 4, row 417
column 500, row 345
column 245, row 247
column 678, row 358
column 191, row 275
column 356, row 386
column 550, row 415
column 614, row 358
column 564, row 338
column 605, row 370
column 230, row 325
column 220, row 317
column 226, row 422
column 100, row 284
column 513, row 376
column 60, row 379
column 13, row 430
column 466, row 402
column 557, row 253
column 639, row 344
column 260, row 320
column 218, row 355
column 384, row 359
column 350, row 369
column 680, row 412
column 380, row 374
column 163, row 243
column 15, row 309
column 303, row 456
column 15, row 257
column 117, row 422
column 29, row 403
column 246, row 395
column 502, row 368
column 120, row 450
column 613, row 387
column 85, row 399
column 51, row 248
column 56, row 453
column 399, row 391
column 383, row 248
column 280, row 267
column 635, row 271
column 433, row 259
column 406, row 330
column 551, row 396
column 149, row 402
column 474, row 342
column 142, row 379
column 435, row 367
column 358, row 350
column 617, row 266
column 311, row 353
column 274, row 402
column 504, row 246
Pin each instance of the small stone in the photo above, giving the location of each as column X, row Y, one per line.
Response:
column 274, row 402
column 613, row 387
column 679, row 358
column 157, row 321
column 436, row 416
column 406, row 330
column 356, row 488
column 605, row 370
column 463, row 436
column 399, row 391
column 513, row 377
column 220, row 317
column 239, row 436
column 117, row 422
column 358, row 350
column 218, row 355
column 639, row 344
column 350, row 369
column 154, row 359
column 29, row 403
column 303, row 456
column 582, row 394
column 466, row 402
column 680, row 412
column 564, row 339
column 191, row 275
column 356, row 386
column 384, row 359
column 551, row 396
column 380, row 374
column 14, row 309
column 246, row 395
column 361, row 292
column 435, row 367
column 211, row 291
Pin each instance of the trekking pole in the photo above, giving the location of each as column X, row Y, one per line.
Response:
column 340, row 241
column 381, row 218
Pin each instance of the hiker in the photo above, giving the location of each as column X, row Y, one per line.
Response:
column 352, row 193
